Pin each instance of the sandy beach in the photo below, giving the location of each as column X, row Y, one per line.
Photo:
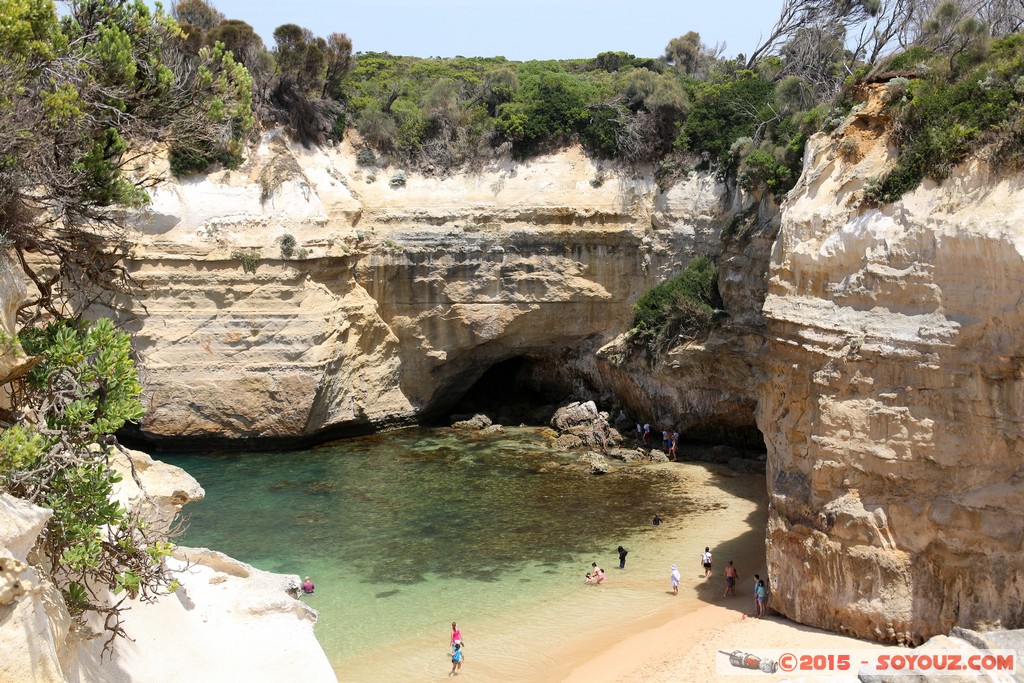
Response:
column 682, row 641
column 630, row 628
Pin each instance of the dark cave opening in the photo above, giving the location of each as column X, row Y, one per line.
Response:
column 518, row 390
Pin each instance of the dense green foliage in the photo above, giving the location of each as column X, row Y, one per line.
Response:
column 83, row 388
column 680, row 308
column 952, row 110
column 81, row 96
column 446, row 112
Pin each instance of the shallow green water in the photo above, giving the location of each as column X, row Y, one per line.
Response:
column 404, row 532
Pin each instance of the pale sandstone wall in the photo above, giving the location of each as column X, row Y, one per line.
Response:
column 403, row 297
column 12, row 294
column 893, row 400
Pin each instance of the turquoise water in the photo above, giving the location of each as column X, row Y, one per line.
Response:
column 406, row 531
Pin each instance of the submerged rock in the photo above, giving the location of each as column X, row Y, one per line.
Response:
column 597, row 462
column 475, row 422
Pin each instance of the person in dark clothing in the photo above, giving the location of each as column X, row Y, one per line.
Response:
column 622, row 557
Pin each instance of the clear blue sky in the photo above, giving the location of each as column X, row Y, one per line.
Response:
column 516, row 29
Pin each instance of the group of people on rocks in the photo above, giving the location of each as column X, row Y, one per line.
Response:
column 669, row 439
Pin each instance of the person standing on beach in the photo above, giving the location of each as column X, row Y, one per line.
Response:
column 757, row 580
column 674, row 580
column 457, row 658
column 622, row 557
column 705, row 560
column 761, row 593
column 731, row 575
column 647, row 432
column 456, row 634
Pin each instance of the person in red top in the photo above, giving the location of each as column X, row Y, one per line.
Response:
column 307, row 586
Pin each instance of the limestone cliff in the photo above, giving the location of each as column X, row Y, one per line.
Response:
column 893, row 400
column 704, row 387
column 380, row 297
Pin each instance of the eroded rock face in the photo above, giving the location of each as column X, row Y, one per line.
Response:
column 394, row 300
column 893, row 401
column 705, row 388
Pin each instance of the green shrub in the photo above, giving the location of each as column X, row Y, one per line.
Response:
column 680, row 308
column 366, row 157
column 549, row 105
column 911, row 59
column 84, row 388
column 761, row 170
column 722, row 112
column 948, row 117
column 250, row 259
column 186, row 162
column 287, row 245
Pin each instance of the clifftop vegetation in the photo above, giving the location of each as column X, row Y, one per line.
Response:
column 748, row 116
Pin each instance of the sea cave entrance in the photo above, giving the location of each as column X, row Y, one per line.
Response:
column 519, row 390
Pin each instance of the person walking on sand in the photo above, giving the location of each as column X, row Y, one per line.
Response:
column 674, row 580
column 456, row 634
column 757, row 580
column 622, row 557
column 457, row 658
column 705, row 560
column 731, row 575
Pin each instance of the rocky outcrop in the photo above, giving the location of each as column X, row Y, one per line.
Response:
column 227, row 621
column 893, row 404
column 580, row 424
column 395, row 298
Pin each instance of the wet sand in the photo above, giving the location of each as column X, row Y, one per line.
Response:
column 681, row 642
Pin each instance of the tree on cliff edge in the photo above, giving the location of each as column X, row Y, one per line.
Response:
column 81, row 99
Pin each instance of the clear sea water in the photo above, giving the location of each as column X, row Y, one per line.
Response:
column 406, row 531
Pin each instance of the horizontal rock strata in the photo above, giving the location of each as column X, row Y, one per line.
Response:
column 395, row 298
column 893, row 401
